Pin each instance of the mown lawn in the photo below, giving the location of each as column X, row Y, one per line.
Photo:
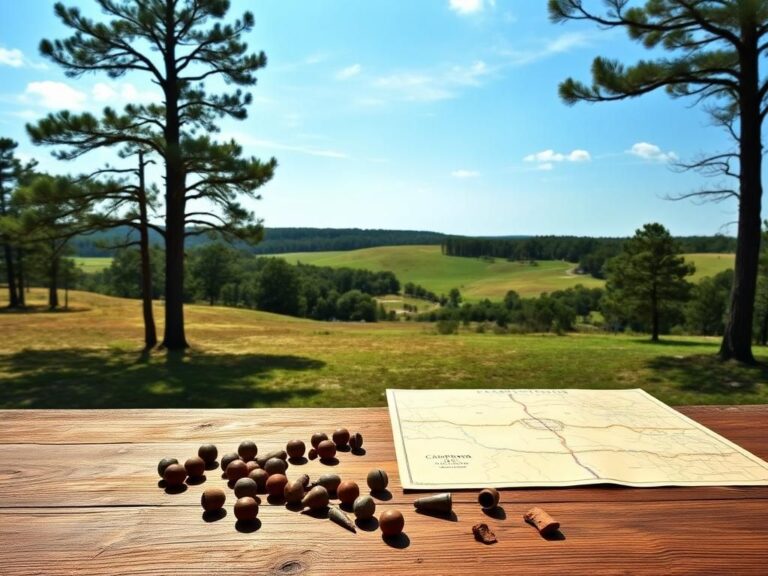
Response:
column 90, row 357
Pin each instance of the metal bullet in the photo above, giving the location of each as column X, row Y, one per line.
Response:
column 338, row 516
column 437, row 504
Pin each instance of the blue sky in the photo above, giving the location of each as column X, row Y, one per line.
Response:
column 431, row 115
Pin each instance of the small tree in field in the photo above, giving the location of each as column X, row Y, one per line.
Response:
column 648, row 276
column 178, row 45
column 715, row 49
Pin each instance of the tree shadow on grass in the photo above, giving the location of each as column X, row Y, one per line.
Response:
column 707, row 374
column 674, row 343
column 86, row 378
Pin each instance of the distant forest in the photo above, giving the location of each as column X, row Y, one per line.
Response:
column 590, row 253
column 276, row 240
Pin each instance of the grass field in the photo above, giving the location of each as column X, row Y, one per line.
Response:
column 90, row 357
column 90, row 265
column 476, row 278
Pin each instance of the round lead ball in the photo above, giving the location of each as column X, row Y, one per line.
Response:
column 213, row 499
column 260, row 477
column 275, row 466
column 326, row 450
column 276, row 485
column 195, row 467
column 377, row 480
column 236, row 470
column 318, row 437
column 295, row 448
column 163, row 464
column 246, row 508
column 391, row 522
column 227, row 459
column 209, row 453
column 247, row 450
column 174, row 475
column 356, row 442
column 246, row 487
column 364, row 507
column 348, row 492
column 340, row 437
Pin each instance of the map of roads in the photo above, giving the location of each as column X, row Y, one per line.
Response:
column 452, row 439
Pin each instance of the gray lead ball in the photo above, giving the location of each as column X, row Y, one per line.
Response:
column 164, row 463
column 364, row 507
column 377, row 480
column 246, row 487
column 275, row 466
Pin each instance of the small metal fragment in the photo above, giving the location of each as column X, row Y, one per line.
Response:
column 356, row 442
column 328, row 481
column 544, row 523
column 483, row 534
column 341, row 519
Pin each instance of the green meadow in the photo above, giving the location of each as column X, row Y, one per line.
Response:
column 90, row 357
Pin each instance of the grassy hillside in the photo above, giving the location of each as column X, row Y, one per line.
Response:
column 476, row 278
column 90, row 264
column 90, row 357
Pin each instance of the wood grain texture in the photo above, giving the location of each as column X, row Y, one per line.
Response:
column 79, row 494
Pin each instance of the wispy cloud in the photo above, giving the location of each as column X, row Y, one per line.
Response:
column 54, row 95
column 247, row 140
column 559, row 45
column 546, row 159
column 469, row 6
column 15, row 59
column 464, row 174
column 435, row 85
column 349, row 72
column 651, row 152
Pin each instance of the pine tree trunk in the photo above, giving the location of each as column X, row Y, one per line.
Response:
column 13, row 295
column 150, row 332
column 20, row 278
column 737, row 339
column 175, row 207
column 53, row 282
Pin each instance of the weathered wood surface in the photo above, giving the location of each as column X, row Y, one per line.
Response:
column 79, row 495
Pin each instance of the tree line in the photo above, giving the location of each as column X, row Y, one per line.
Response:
column 590, row 253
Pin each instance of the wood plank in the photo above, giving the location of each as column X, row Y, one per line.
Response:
column 650, row 538
column 747, row 424
column 124, row 473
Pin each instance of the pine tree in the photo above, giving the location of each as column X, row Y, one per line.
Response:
column 648, row 276
column 171, row 43
column 715, row 51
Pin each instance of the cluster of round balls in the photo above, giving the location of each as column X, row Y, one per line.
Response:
column 250, row 474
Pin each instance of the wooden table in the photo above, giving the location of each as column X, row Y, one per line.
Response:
column 79, row 494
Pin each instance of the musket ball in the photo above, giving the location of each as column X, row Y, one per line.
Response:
column 247, row 450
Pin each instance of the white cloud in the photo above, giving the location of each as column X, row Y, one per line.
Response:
column 247, row 140
column 546, row 158
column 431, row 86
column 463, row 174
column 651, row 152
column 469, row 6
column 13, row 58
column 349, row 72
column 563, row 43
column 122, row 93
column 55, row 95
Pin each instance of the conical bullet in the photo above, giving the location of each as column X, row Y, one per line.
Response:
column 341, row 519
column 437, row 504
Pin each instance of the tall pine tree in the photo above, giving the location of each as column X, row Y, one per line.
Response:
column 178, row 45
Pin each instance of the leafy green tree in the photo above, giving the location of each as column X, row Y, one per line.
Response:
column 125, row 278
column 212, row 266
column 707, row 309
column 648, row 276
column 715, row 51
column 454, row 298
column 354, row 305
column 278, row 288
column 179, row 45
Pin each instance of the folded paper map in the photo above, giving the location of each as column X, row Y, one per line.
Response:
column 453, row 439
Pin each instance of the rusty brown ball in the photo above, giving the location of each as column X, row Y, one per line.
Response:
column 318, row 437
column 195, row 467
column 236, row 470
column 326, row 450
column 213, row 499
column 293, row 492
column 356, row 442
column 246, row 508
column 174, row 475
column 260, row 477
column 209, row 453
column 227, row 459
column 340, row 437
column 276, row 484
column 251, row 465
column 348, row 491
column 295, row 448
column 391, row 522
